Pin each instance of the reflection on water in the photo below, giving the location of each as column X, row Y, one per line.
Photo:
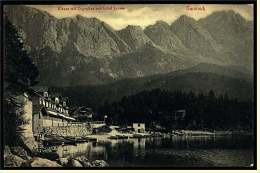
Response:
column 168, row 151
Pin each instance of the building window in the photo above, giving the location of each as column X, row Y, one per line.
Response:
column 45, row 94
column 57, row 100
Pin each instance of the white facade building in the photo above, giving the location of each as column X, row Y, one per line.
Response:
column 139, row 127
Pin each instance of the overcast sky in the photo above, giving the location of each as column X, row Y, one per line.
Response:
column 140, row 14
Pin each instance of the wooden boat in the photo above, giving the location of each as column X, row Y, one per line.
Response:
column 47, row 142
column 118, row 137
column 91, row 139
column 140, row 135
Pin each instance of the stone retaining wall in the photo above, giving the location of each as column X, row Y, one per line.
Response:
column 73, row 130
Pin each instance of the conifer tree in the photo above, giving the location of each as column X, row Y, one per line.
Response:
column 19, row 73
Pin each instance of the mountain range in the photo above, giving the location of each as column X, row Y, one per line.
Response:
column 87, row 51
column 92, row 63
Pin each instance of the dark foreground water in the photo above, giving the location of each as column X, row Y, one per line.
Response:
column 225, row 151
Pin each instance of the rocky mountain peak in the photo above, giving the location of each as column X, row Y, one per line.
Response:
column 91, row 20
column 185, row 19
column 79, row 17
column 27, row 19
column 194, row 36
column 228, row 14
column 25, row 10
column 227, row 29
column 161, row 23
column 186, row 23
column 87, row 22
column 91, row 36
column 134, row 36
column 231, row 20
column 133, row 28
column 161, row 34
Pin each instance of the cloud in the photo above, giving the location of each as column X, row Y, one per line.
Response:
column 121, row 15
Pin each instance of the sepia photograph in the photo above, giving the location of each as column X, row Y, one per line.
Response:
column 128, row 86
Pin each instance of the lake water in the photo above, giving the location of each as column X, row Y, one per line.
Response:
column 225, row 151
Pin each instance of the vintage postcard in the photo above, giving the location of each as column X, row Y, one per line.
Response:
column 129, row 86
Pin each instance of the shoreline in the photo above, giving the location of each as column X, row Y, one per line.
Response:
column 18, row 156
column 188, row 133
column 209, row 133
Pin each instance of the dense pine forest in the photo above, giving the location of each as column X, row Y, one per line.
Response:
column 157, row 108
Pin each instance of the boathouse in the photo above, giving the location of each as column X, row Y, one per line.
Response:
column 139, row 127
